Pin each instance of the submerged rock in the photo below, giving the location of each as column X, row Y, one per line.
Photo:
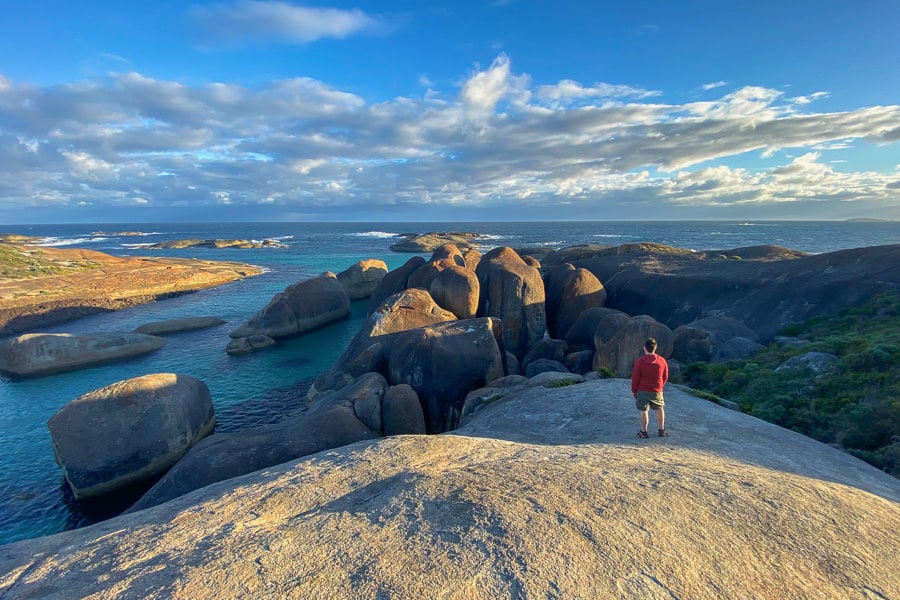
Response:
column 42, row 353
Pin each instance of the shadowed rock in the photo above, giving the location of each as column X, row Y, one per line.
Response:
column 129, row 431
column 456, row 289
column 369, row 348
column 443, row 362
column 42, row 353
column 512, row 291
column 179, row 325
column 301, row 307
column 620, row 352
column 766, row 288
column 394, row 282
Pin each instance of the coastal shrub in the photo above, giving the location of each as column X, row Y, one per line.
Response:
column 855, row 406
column 562, row 383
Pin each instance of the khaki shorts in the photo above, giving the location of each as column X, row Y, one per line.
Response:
column 646, row 400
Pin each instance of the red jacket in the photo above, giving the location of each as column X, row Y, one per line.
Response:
column 650, row 373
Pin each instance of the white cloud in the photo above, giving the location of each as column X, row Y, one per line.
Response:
column 252, row 20
column 302, row 146
column 711, row 86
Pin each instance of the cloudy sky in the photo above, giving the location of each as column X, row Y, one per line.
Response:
column 448, row 110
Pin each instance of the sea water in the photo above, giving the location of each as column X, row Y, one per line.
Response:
column 263, row 387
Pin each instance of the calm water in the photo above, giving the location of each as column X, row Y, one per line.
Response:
column 259, row 388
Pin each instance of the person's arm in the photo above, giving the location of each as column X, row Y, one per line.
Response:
column 635, row 377
column 665, row 373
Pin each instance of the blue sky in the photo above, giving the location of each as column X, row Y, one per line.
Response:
column 463, row 110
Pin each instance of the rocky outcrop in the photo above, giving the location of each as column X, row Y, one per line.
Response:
column 401, row 411
column 301, row 307
column 394, row 282
column 362, row 278
column 457, row 290
column 179, row 325
column 569, row 293
column 766, row 288
column 129, row 431
column 195, row 243
column 620, row 352
column 370, row 347
column 248, row 344
column 513, row 292
column 542, row 493
column 334, row 421
column 581, row 334
column 428, row 242
column 443, row 362
column 74, row 283
column 35, row 354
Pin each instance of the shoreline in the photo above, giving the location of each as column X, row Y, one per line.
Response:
column 85, row 282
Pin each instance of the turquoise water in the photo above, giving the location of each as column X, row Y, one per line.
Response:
column 261, row 387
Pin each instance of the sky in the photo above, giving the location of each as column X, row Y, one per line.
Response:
column 462, row 110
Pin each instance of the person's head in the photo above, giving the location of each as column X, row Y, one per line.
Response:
column 650, row 345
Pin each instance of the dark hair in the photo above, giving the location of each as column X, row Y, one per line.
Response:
column 650, row 345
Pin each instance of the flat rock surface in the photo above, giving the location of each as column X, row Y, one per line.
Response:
column 547, row 493
column 109, row 283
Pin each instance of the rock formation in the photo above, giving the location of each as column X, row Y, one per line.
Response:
column 34, row 354
column 302, row 306
column 179, row 325
column 362, row 278
column 512, row 291
column 129, row 431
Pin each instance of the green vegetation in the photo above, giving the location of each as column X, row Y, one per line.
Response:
column 22, row 263
column 561, row 383
column 854, row 406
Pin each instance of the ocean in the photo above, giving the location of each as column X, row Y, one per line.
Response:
column 260, row 388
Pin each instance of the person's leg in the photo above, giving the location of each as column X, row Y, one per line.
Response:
column 660, row 418
column 645, row 418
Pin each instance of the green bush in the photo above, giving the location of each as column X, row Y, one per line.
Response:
column 855, row 406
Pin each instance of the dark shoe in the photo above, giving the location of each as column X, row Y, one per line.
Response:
column 643, row 434
column 663, row 433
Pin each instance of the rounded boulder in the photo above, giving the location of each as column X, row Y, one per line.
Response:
column 129, row 431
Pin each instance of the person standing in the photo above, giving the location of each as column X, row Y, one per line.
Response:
column 648, row 377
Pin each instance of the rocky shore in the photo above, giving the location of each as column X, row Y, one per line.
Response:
column 41, row 287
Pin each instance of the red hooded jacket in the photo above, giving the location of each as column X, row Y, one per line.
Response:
column 650, row 373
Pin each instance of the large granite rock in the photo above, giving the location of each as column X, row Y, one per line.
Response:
column 765, row 287
column 457, row 289
column 334, row 421
column 362, row 278
column 443, row 362
column 428, row 242
column 129, row 431
column 620, row 352
column 542, row 494
column 179, row 325
column 34, row 354
column 394, row 282
column 581, row 334
column 512, row 291
column 369, row 348
column 301, row 307
column 570, row 292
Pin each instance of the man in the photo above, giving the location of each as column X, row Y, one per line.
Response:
column 648, row 377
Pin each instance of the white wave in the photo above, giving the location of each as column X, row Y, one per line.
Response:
column 611, row 235
column 52, row 241
column 138, row 245
column 375, row 234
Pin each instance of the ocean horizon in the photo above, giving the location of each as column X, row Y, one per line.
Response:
column 260, row 388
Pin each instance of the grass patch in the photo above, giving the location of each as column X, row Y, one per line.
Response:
column 854, row 406
column 561, row 383
column 21, row 263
